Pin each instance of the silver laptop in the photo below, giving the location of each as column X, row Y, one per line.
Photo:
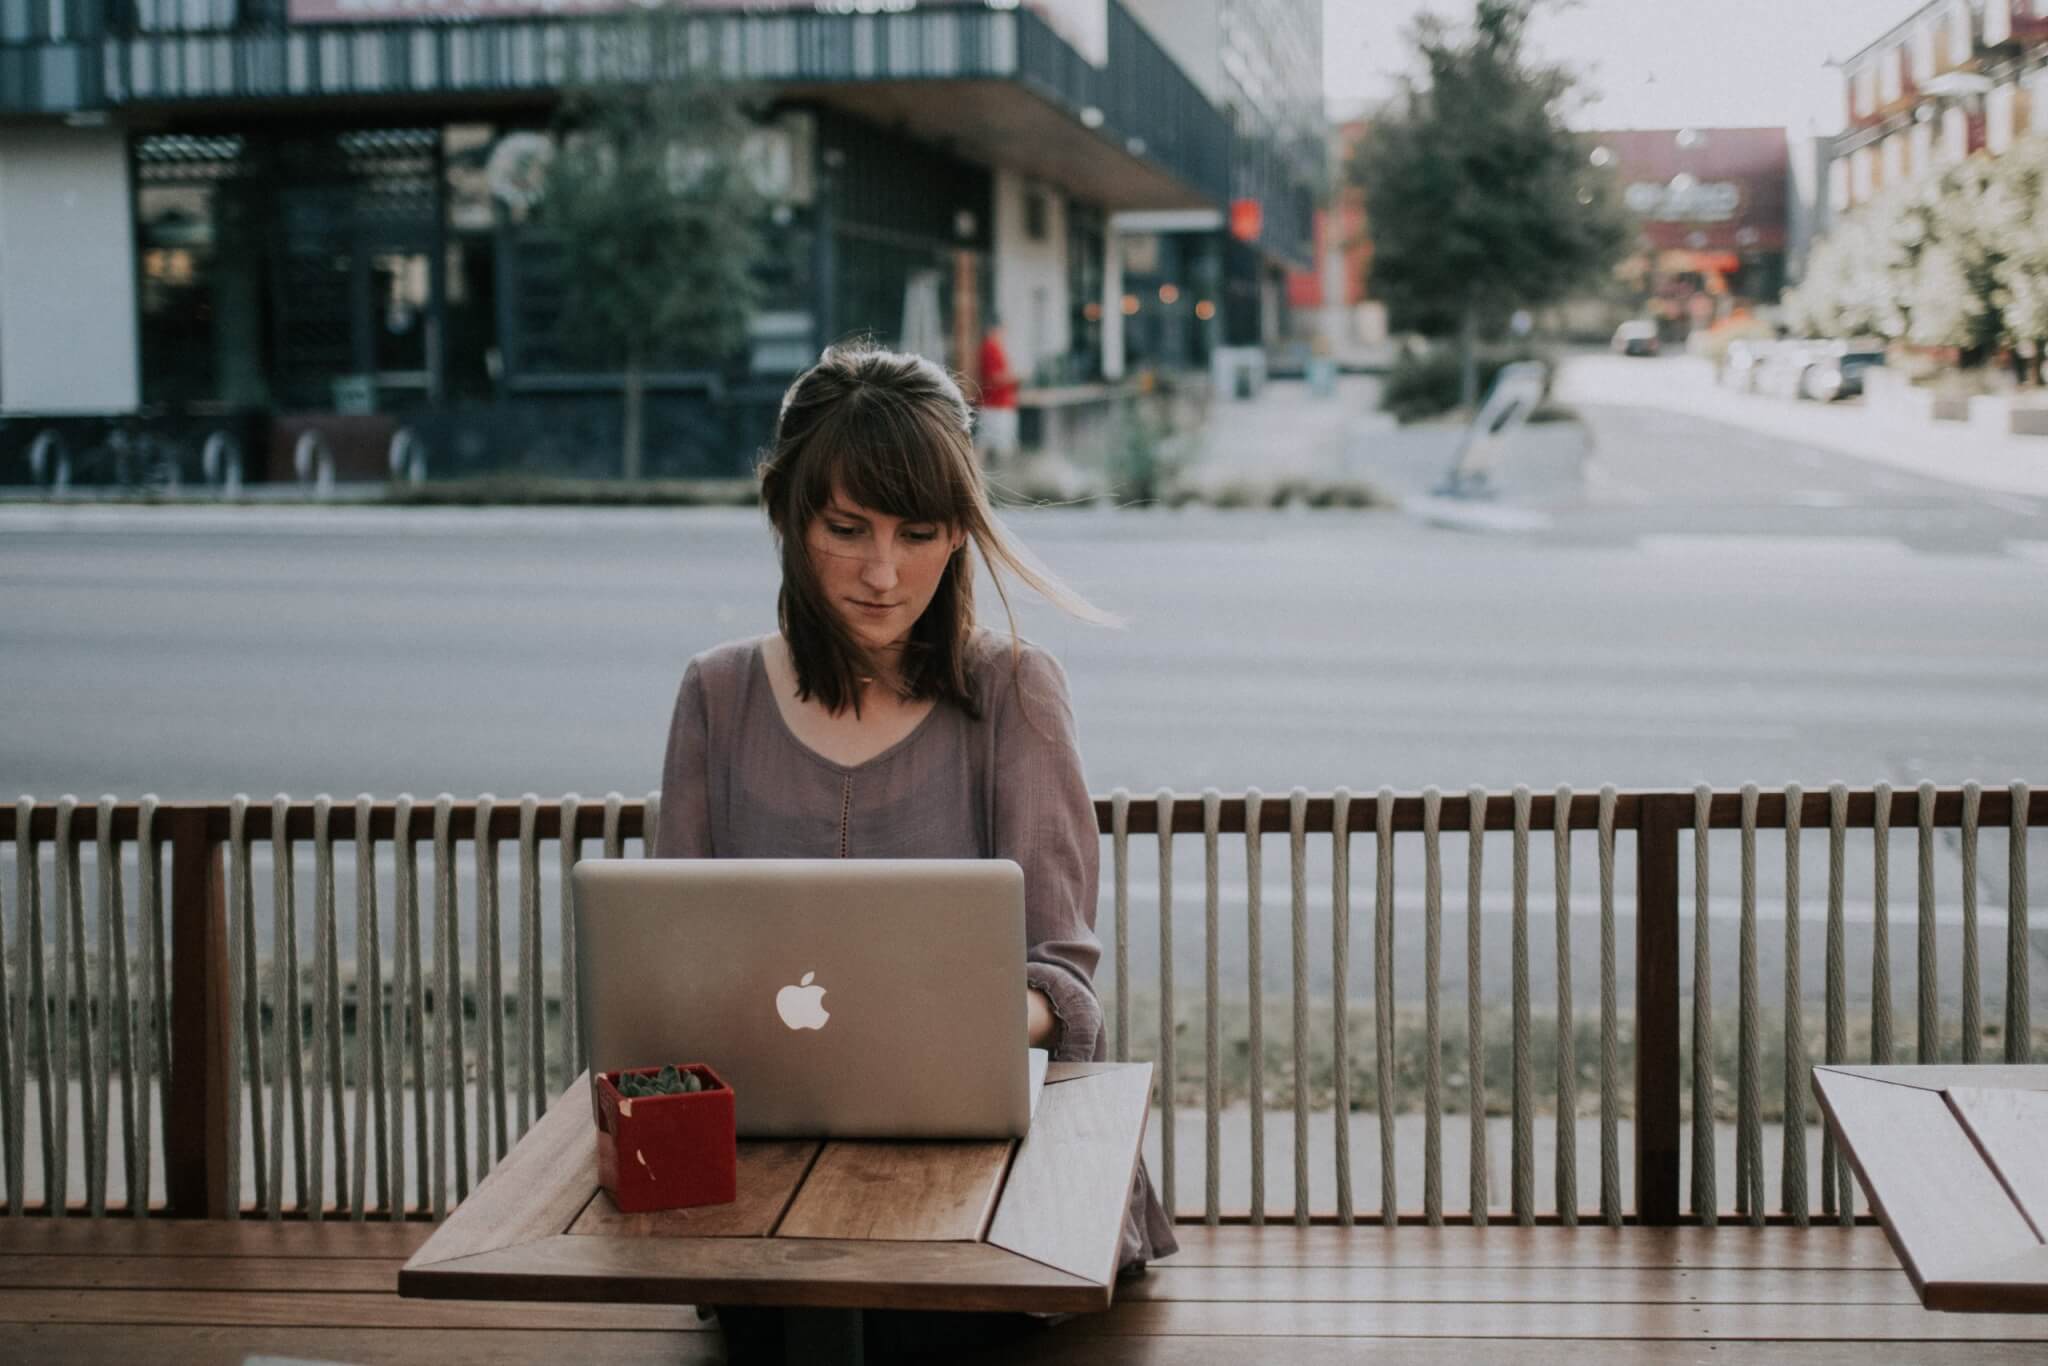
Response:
column 851, row 998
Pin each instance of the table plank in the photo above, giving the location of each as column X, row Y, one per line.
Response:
column 212, row 1237
column 254, row 1274
column 1067, row 1071
column 1514, row 1285
column 1060, row 1348
column 1933, row 1077
column 1522, row 1323
column 78, row 1344
column 1944, row 1208
column 769, row 1172
column 2010, row 1128
column 2015, row 1284
column 536, row 1191
column 1070, row 1181
column 821, row 1273
column 917, row 1191
column 1508, row 1246
column 316, row 1309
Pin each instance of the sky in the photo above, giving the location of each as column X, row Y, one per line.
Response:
column 1648, row 63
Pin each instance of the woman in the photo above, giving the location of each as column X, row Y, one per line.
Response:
column 880, row 721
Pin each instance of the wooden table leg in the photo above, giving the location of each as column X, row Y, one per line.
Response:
column 828, row 1337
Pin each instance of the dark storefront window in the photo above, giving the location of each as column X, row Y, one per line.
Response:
column 902, row 215
column 1084, row 291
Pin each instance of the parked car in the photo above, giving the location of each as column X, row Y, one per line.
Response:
column 1819, row 369
column 1636, row 337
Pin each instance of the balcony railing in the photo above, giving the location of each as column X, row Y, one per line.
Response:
column 174, row 1041
column 110, row 56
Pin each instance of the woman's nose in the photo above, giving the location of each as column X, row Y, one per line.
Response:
column 879, row 569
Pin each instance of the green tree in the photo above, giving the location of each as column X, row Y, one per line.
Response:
column 1481, row 200
column 660, row 230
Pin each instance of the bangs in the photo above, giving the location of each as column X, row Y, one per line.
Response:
column 882, row 457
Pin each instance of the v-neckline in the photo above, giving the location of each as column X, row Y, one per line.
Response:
column 767, row 681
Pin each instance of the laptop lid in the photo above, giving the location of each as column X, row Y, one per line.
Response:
column 853, row 998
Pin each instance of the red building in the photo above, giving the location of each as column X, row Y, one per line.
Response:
column 1714, row 207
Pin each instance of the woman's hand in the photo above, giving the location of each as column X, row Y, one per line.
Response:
column 1041, row 1021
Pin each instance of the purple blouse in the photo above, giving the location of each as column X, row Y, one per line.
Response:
column 737, row 783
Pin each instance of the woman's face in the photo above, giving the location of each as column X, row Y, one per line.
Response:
column 878, row 572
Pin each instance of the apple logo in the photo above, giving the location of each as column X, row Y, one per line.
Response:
column 802, row 1006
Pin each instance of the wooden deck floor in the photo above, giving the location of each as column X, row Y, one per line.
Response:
column 139, row 1293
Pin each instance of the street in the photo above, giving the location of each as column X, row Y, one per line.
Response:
column 1706, row 604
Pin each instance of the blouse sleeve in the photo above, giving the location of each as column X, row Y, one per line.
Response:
column 685, row 830
column 1045, row 821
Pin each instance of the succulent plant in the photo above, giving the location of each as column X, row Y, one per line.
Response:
column 668, row 1082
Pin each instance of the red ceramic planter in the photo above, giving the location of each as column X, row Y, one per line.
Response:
column 666, row 1152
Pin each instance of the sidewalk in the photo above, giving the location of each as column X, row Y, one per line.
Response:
column 1952, row 451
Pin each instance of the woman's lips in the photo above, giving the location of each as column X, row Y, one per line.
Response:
column 873, row 608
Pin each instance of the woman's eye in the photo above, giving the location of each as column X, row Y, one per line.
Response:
column 921, row 537
column 842, row 532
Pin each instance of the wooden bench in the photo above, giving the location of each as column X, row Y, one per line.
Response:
column 134, row 1292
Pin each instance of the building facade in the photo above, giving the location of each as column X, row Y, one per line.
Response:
column 1713, row 208
column 1194, row 285
column 1954, row 78
column 269, row 216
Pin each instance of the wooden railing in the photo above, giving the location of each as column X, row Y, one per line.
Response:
column 199, row 1031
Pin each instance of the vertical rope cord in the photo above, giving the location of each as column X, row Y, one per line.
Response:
column 2019, row 1028
column 1749, row 1159
column 575, row 1053
column 1705, row 1199
column 407, row 1010
column 1610, row 1016
column 1297, row 864
column 1383, row 999
column 1340, row 997
column 1256, row 989
column 1792, row 1161
column 113, row 1004
column 371, row 1055
column 154, row 1025
column 1120, row 864
column 1475, row 1011
column 1565, row 1175
column 532, row 1008
column 1522, row 1176
column 1212, row 1024
column 70, row 912
column 1432, row 981
column 1168, row 1073
column 30, row 1035
column 1881, row 928
column 327, row 1024
column 448, row 1129
column 242, row 1052
column 1837, row 1195
column 1973, row 1012
column 490, row 1005
column 286, row 1081
column 1927, row 1041
column 614, row 838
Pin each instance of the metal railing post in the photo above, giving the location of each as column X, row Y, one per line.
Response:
column 196, row 1140
column 1657, row 1008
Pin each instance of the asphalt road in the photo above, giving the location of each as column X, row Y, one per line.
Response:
column 1706, row 605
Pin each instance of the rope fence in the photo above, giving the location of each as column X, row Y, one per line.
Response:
column 375, row 1061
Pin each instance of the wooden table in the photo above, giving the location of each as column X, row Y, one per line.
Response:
column 1955, row 1161
column 833, row 1226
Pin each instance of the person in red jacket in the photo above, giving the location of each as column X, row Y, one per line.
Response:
column 995, row 429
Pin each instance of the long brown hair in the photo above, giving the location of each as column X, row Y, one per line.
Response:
column 892, row 432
